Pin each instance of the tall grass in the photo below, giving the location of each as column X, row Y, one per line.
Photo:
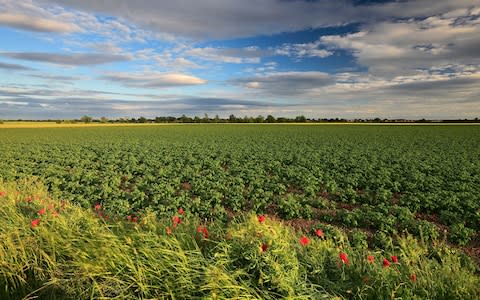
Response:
column 77, row 254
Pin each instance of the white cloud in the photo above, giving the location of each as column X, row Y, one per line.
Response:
column 221, row 19
column 227, row 55
column 71, row 59
column 303, row 50
column 36, row 24
column 40, row 16
column 286, row 83
column 153, row 79
column 403, row 47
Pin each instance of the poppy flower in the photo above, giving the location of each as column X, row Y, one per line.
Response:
column 2, row 193
column 304, row 241
column 319, row 232
column 370, row 259
column 135, row 219
column 176, row 220
column 344, row 258
column 394, row 259
column 386, row 263
column 261, row 218
column 42, row 211
column 168, row 230
column 264, row 247
column 35, row 223
column 205, row 232
column 413, row 277
column 181, row 211
column 98, row 206
column 129, row 217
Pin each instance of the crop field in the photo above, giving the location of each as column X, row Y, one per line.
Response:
column 248, row 211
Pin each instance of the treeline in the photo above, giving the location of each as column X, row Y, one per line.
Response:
column 261, row 119
column 246, row 119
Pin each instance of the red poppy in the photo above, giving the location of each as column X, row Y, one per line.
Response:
column 344, row 258
column 205, row 232
column 413, row 277
column 386, row 263
column 176, row 220
column 261, row 218
column 129, row 217
column 319, row 232
column 98, row 206
column 264, row 247
column 370, row 259
column 135, row 219
column 35, row 223
column 394, row 259
column 168, row 230
column 181, row 211
column 42, row 211
column 2, row 193
column 304, row 240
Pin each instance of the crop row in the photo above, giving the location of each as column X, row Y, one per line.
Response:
column 387, row 176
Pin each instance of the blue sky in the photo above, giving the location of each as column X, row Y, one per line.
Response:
column 330, row 58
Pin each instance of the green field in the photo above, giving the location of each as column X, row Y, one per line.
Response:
column 383, row 190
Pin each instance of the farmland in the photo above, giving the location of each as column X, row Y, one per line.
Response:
column 368, row 188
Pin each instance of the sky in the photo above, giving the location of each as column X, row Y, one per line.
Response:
column 62, row 59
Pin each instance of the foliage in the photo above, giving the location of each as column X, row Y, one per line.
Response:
column 460, row 234
column 71, row 252
column 392, row 179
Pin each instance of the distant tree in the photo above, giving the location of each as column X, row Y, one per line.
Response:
column 232, row 118
column 259, row 119
column 217, row 119
column 142, row 120
column 185, row 119
column 300, row 119
column 103, row 120
column 197, row 119
column 86, row 119
column 206, row 119
column 247, row 119
column 270, row 119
